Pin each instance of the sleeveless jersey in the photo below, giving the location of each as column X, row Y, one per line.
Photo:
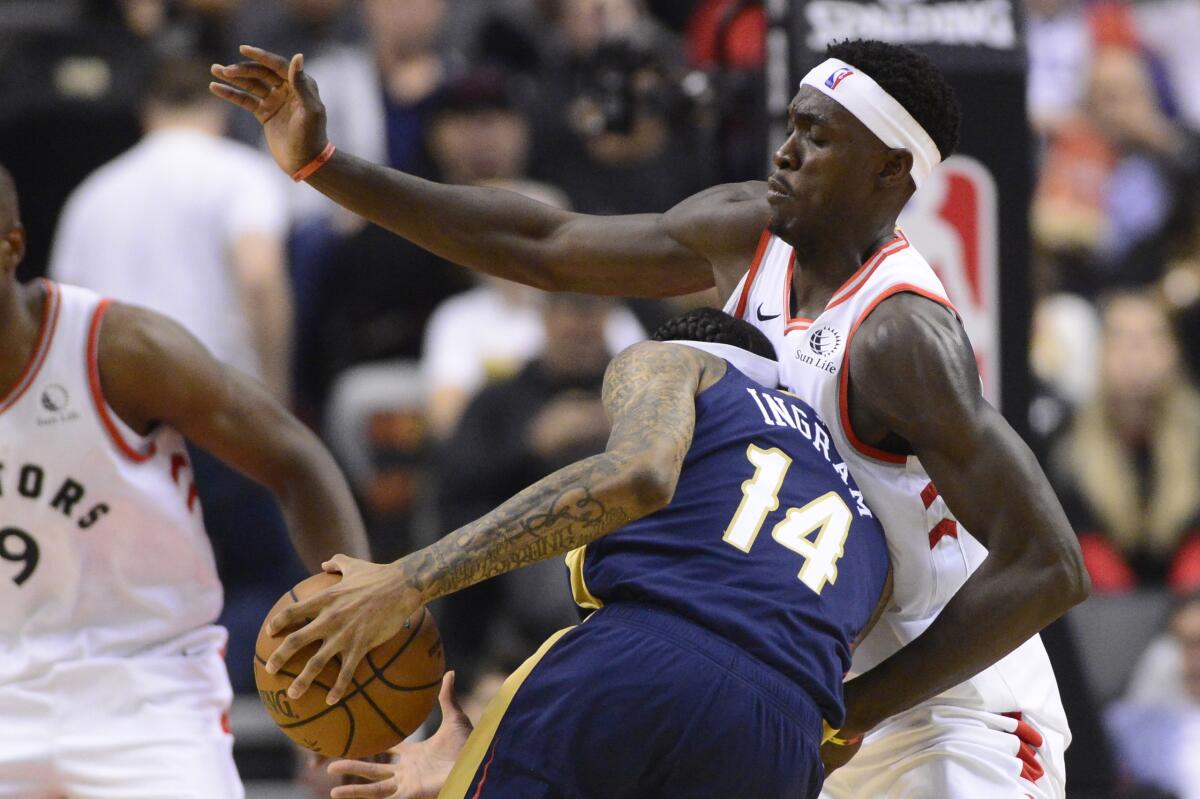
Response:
column 767, row 542
column 932, row 555
column 103, row 551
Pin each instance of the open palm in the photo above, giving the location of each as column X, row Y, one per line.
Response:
column 282, row 98
column 420, row 768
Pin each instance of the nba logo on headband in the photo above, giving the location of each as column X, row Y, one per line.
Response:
column 837, row 76
column 878, row 110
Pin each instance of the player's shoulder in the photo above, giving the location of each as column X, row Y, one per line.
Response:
column 904, row 331
column 654, row 362
column 132, row 338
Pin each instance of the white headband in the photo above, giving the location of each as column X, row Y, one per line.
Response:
column 860, row 95
column 761, row 370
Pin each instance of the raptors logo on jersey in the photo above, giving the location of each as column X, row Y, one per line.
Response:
column 102, row 547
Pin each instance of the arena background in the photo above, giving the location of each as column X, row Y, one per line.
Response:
column 1067, row 230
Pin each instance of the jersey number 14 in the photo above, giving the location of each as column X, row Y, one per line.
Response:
column 828, row 515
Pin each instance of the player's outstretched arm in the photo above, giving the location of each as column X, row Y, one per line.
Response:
column 649, row 392
column 915, row 373
column 501, row 232
column 153, row 371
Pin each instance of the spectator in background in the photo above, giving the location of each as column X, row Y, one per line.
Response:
column 376, row 291
column 1158, row 736
column 380, row 97
column 513, row 432
column 71, row 96
column 1120, row 187
column 491, row 331
column 1059, row 49
column 611, row 129
column 192, row 225
column 1128, row 470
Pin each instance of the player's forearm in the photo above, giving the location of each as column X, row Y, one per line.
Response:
column 1033, row 574
column 488, row 230
column 272, row 333
column 505, row 234
column 570, row 508
column 321, row 515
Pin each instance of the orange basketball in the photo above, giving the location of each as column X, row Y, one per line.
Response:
column 394, row 687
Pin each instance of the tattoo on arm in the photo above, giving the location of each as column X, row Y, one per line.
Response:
column 649, row 392
column 570, row 508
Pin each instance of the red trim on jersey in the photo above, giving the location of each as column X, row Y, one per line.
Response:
column 944, row 528
column 41, row 346
column 178, row 462
column 93, row 365
column 859, row 279
column 928, row 494
column 844, row 378
column 483, row 777
column 1031, row 740
column 793, row 322
column 740, row 310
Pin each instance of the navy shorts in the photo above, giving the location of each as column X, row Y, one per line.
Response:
column 639, row 702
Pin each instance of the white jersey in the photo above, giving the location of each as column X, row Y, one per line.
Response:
column 932, row 555
column 103, row 545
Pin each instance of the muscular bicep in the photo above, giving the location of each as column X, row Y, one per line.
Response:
column 915, row 372
column 154, row 372
column 722, row 224
column 708, row 239
column 650, row 396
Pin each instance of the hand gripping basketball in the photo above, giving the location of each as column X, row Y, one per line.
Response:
column 369, row 606
column 391, row 691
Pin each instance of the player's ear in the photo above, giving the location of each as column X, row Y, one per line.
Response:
column 894, row 168
column 13, row 246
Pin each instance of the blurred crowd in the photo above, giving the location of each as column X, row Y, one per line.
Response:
column 441, row 394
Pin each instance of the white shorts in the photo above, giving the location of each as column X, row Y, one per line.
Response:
column 120, row 728
column 948, row 752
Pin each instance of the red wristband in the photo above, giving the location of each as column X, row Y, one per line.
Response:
column 305, row 172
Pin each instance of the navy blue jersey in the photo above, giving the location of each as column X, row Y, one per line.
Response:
column 767, row 542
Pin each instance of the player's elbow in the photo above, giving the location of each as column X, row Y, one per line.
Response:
column 1075, row 581
column 1064, row 578
column 650, row 483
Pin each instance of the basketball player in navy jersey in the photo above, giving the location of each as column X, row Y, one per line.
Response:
column 112, row 678
column 974, row 529
column 729, row 561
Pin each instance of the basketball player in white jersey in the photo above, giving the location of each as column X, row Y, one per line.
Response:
column 112, row 679
column 960, row 701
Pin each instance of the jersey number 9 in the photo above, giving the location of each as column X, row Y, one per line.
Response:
column 18, row 546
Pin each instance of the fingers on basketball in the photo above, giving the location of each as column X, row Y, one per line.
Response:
column 389, row 695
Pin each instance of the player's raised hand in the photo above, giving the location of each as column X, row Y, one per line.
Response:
column 419, row 768
column 370, row 605
column 284, row 100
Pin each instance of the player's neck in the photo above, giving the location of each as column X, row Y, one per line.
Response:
column 822, row 267
column 20, row 320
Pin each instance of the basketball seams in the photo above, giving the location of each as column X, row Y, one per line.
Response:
column 386, row 720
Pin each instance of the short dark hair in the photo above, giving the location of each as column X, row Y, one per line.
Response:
column 912, row 79
column 715, row 327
